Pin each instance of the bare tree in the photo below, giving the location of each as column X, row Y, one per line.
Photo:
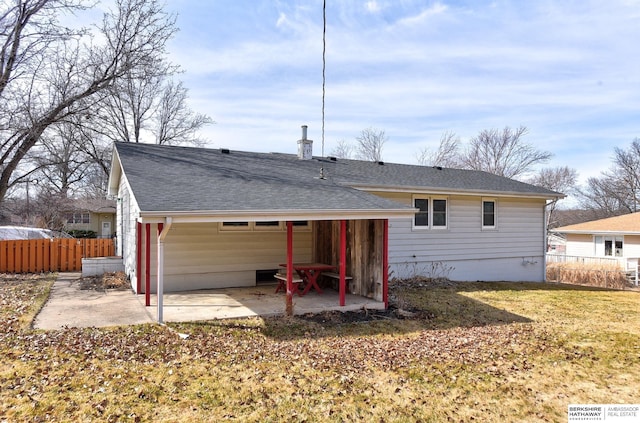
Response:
column 503, row 152
column 175, row 122
column 446, row 155
column 343, row 150
column 370, row 143
column 560, row 179
column 49, row 73
column 617, row 190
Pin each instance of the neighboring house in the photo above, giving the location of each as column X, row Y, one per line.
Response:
column 24, row 232
column 211, row 218
column 611, row 239
column 97, row 215
column 556, row 243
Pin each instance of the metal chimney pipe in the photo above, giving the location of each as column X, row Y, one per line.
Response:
column 304, row 132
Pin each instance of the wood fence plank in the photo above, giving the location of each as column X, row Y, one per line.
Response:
column 32, row 247
column 54, row 255
column 46, row 255
column 3, row 256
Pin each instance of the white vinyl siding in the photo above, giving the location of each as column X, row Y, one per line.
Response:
column 513, row 251
column 580, row 245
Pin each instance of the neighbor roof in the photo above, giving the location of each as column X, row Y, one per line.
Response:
column 625, row 224
column 187, row 179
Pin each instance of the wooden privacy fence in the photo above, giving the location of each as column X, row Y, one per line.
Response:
column 51, row 255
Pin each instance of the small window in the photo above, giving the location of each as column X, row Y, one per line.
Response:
column 439, row 213
column 488, row 214
column 237, row 226
column 272, row 225
column 421, row 219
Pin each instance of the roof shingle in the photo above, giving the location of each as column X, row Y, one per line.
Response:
column 170, row 178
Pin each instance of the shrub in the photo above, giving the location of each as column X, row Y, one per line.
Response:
column 82, row 233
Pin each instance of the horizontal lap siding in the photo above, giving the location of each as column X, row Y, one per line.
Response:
column 199, row 256
column 465, row 246
column 580, row 245
column 631, row 246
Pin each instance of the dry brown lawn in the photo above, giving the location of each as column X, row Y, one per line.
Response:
column 476, row 351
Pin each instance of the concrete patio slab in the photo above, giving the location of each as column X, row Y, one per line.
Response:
column 253, row 301
column 70, row 306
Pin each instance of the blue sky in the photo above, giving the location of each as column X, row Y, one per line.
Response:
column 569, row 71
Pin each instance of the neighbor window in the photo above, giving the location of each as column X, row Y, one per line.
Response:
column 488, row 213
column 609, row 246
column 432, row 213
column 78, row 217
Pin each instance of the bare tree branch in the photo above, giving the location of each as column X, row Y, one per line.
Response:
column 370, row 143
column 503, row 153
column 446, row 155
column 343, row 150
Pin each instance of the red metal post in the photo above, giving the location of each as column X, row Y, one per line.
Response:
column 147, row 265
column 343, row 261
column 385, row 262
column 138, row 257
column 289, row 303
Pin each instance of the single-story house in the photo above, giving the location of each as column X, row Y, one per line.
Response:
column 195, row 218
column 615, row 239
column 94, row 214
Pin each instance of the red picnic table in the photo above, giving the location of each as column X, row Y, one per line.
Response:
column 309, row 273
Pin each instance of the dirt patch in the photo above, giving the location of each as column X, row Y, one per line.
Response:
column 116, row 281
column 339, row 317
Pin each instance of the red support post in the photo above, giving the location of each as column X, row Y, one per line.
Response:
column 343, row 261
column 385, row 263
column 289, row 303
column 138, row 257
column 147, row 265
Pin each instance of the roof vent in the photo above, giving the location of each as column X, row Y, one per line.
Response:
column 381, row 163
column 333, row 159
column 438, row 167
column 225, row 151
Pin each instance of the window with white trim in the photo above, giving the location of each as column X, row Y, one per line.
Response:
column 488, row 214
column 432, row 213
column 609, row 246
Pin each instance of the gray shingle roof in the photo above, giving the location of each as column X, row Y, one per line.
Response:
column 170, row 178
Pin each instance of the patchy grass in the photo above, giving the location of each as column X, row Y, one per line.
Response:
column 480, row 351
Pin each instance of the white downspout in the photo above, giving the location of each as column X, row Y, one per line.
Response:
column 160, row 290
column 544, row 239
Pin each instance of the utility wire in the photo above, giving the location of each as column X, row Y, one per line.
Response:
column 324, row 53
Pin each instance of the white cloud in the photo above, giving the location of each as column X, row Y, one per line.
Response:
column 372, row 6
